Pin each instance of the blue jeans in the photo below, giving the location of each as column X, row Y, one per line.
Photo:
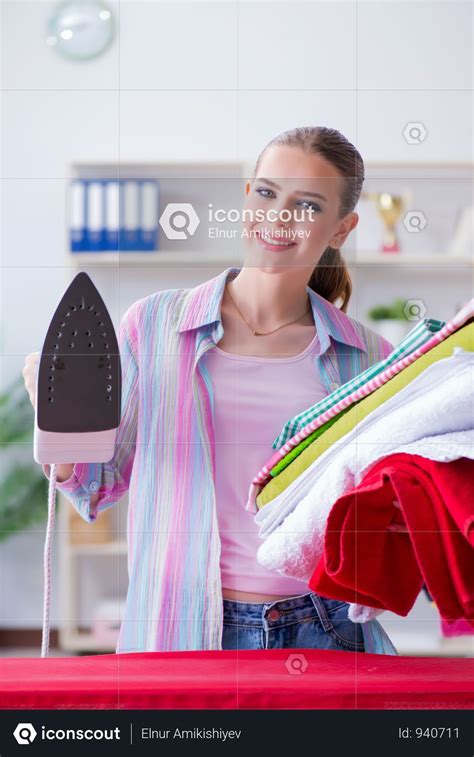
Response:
column 306, row 621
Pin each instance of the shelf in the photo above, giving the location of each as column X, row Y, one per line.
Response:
column 106, row 548
column 193, row 169
column 406, row 260
column 143, row 259
column 415, row 644
column 84, row 642
column 195, row 258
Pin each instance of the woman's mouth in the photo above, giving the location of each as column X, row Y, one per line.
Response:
column 274, row 243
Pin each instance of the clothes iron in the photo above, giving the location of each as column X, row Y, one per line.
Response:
column 78, row 397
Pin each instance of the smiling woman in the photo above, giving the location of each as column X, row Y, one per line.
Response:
column 320, row 175
column 211, row 374
column 292, row 223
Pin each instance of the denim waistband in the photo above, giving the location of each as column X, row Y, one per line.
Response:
column 280, row 611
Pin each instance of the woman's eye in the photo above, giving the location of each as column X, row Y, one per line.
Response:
column 263, row 190
column 313, row 205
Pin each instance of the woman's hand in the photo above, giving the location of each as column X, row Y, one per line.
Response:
column 30, row 371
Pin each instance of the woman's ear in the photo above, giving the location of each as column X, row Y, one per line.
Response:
column 350, row 222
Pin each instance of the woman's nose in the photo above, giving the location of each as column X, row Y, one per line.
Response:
column 284, row 221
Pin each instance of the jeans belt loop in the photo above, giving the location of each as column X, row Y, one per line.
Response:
column 321, row 610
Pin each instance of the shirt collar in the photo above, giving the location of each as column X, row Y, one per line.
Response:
column 203, row 307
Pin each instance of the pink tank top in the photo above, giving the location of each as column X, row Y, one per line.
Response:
column 253, row 399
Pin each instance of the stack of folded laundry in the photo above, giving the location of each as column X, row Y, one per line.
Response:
column 370, row 493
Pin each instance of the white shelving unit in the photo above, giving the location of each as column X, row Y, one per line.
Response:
column 70, row 638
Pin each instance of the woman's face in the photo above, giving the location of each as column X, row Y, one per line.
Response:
column 292, row 209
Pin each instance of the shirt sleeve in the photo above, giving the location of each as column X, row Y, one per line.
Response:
column 110, row 480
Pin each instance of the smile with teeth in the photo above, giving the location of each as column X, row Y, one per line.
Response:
column 272, row 241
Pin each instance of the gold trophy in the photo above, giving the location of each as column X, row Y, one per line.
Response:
column 389, row 207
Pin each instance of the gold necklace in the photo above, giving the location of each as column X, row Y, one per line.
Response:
column 261, row 333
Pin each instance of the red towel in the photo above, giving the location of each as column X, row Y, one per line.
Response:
column 459, row 627
column 358, row 547
column 461, row 505
column 365, row 562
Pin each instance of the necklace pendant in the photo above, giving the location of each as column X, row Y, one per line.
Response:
column 255, row 333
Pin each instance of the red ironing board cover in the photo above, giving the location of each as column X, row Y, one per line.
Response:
column 250, row 679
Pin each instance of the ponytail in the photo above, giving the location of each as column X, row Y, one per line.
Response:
column 331, row 279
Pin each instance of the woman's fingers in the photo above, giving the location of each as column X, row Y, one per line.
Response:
column 29, row 372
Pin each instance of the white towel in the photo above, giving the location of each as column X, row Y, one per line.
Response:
column 431, row 417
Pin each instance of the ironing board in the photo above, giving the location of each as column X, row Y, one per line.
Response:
column 250, row 679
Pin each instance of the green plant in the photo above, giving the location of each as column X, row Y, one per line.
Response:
column 395, row 311
column 23, row 487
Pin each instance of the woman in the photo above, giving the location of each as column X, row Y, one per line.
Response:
column 210, row 375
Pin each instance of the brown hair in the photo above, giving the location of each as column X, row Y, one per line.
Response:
column 330, row 278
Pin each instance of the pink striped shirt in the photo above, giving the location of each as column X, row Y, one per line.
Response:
column 164, row 457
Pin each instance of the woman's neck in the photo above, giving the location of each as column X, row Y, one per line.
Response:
column 269, row 299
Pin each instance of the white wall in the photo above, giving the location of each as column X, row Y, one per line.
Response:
column 207, row 81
